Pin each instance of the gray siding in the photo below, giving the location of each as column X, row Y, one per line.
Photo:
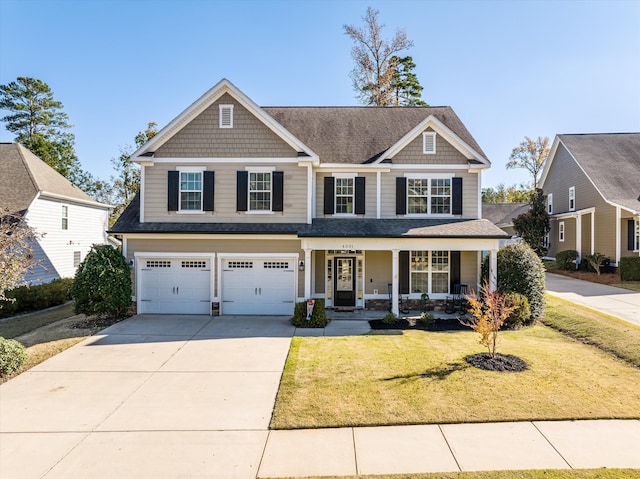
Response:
column 203, row 138
column 445, row 153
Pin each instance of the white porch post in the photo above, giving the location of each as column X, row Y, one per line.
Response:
column 493, row 269
column 618, row 234
column 593, row 232
column 579, row 238
column 307, row 274
column 394, row 281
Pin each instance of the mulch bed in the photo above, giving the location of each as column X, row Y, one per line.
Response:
column 449, row 324
column 501, row 363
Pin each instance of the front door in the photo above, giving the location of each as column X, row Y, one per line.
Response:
column 345, row 282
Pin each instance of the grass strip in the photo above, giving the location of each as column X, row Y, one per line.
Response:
column 14, row 327
column 610, row 334
column 602, row 473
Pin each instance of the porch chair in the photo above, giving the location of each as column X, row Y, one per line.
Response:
column 403, row 307
column 459, row 301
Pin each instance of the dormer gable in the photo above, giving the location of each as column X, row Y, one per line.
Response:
column 214, row 126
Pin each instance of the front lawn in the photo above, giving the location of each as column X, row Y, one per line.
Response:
column 530, row 474
column 421, row 377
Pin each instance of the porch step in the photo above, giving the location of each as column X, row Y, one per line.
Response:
column 344, row 310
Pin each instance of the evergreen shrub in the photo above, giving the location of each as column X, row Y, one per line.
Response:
column 34, row 298
column 318, row 317
column 521, row 315
column 630, row 268
column 566, row 259
column 102, row 285
column 12, row 356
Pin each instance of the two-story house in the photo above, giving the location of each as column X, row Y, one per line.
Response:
column 67, row 220
column 592, row 185
column 248, row 209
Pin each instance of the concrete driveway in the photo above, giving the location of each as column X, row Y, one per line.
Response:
column 153, row 396
column 622, row 303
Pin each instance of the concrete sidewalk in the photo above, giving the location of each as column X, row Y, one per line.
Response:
column 622, row 303
column 192, row 396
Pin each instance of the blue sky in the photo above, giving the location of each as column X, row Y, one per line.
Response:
column 508, row 69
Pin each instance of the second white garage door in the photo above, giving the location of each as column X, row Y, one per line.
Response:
column 258, row 286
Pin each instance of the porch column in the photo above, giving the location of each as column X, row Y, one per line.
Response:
column 493, row 269
column 579, row 239
column 593, row 232
column 618, row 234
column 307, row 274
column 395, row 254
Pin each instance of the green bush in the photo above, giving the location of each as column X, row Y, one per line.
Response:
column 520, row 270
column 566, row 259
column 390, row 318
column 318, row 317
column 102, row 285
column 630, row 268
column 521, row 316
column 35, row 298
column 12, row 356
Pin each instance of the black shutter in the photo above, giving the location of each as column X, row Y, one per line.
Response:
column 208, row 188
column 242, row 186
column 360, row 195
column 403, row 270
column 329, row 191
column 173, row 190
column 401, row 195
column 456, row 196
column 278, row 191
column 454, row 268
column 631, row 234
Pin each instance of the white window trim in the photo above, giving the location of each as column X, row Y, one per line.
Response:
column 190, row 169
column 550, row 203
column 427, row 176
column 429, row 273
column 561, row 231
column 63, row 216
column 353, row 196
column 572, row 191
column 426, row 135
column 220, row 109
column 259, row 169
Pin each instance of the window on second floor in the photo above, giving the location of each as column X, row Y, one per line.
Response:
column 65, row 217
column 429, row 196
column 550, row 203
column 561, row 231
column 190, row 191
column 260, row 190
column 345, row 193
column 572, row 198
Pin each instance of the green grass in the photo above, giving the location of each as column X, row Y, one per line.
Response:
column 610, row 334
column 421, row 378
column 15, row 327
column 530, row 474
column 631, row 286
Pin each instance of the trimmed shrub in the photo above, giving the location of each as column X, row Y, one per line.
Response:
column 566, row 259
column 12, row 356
column 630, row 268
column 102, row 285
column 521, row 315
column 34, row 298
column 318, row 317
column 589, row 261
column 520, row 270
column 390, row 318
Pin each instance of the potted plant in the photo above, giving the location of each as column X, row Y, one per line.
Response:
column 427, row 305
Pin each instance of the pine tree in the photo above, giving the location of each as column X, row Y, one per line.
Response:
column 533, row 225
column 407, row 90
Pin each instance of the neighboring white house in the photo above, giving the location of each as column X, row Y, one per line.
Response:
column 68, row 219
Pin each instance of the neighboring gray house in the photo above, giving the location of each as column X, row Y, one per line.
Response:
column 592, row 185
column 246, row 209
column 67, row 218
column 503, row 214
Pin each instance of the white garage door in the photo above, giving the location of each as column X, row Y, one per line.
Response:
column 174, row 285
column 258, row 286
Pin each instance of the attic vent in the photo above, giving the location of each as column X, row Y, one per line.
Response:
column 429, row 143
column 226, row 116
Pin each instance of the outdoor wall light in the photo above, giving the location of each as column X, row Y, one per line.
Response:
column 301, row 265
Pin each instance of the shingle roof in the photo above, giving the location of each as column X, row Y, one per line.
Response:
column 321, row 227
column 503, row 213
column 612, row 162
column 24, row 175
column 360, row 134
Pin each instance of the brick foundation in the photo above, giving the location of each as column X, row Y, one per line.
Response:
column 414, row 304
